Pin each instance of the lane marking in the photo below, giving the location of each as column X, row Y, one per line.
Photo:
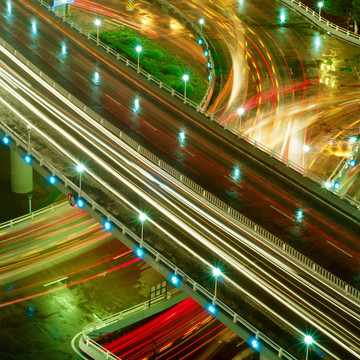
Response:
column 56, row 281
column 339, row 248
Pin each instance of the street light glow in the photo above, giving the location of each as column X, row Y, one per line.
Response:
column 306, row 148
column 139, row 252
column 240, row 111
column 80, row 168
column 201, row 21
column 185, row 77
column 216, row 272
column 97, row 22
column 174, row 280
column 320, row 4
column 80, row 203
column 308, row 340
column 142, row 217
column 138, row 49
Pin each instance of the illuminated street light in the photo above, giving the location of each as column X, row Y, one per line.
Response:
column 80, row 168
column 33, row 26
column 240, row 111
column 63, row 49
column 282, row 17
column 308, row 341
column 139, row 252
column 9, row 7
column 185, row 78
column 216, row 273
column 142, row 217
column 182, row 136
column 306, row 149
column 138, row 50
column 136, row 105
column 80, row 203
column 206, row 52
column 320, row 5
column 97, row 24
column 201, row 22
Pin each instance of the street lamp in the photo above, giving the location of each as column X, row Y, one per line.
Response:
column 201, row 22
column 240, row 111
column 306, row 149
column 308, row 341
column 185, row 78
column 142, row 217
column 97, row 24
column 216, row 273
column 80, row 168
column 320, row 5
column 138, row 50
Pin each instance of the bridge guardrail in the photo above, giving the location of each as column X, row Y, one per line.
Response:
column 292, row 165
column 326, row 24
column 198, row 107
column 158, row 257
column 32, row 215
column 271, row 239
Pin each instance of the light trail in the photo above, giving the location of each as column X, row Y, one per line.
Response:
column 166, row 212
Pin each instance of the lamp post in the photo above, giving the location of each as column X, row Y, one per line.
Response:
column 201, row 22
column 142, row 217
column 29, row 198
column 240, row 111
column 138, row 50
column 306, row 149
column 185, row 78
column 320, row 5
column 80, row 168
column 97, row 23
column 308, row 341
column 216, row 273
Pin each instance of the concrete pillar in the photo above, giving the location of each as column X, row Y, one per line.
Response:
column 21, row 174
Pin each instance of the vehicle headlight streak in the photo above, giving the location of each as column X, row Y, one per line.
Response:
column 225, row 256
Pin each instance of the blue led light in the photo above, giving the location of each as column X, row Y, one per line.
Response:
column 337, row 185
column 27, row 159
column 236, row 173
column 174, row 280
column 52, row 180
column 107, row 225
column 352, row 163
column 80, row 203
column 206, row 52
column 5, row 140
column 200, row 41
column 139, row 252
column 212, row 309
column 299, row 214
column 254, row 344
column 209, row 64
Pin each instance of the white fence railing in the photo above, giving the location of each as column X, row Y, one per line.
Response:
column 220, row 205
column 89, row 343
column 32, row 215
column 327, row 25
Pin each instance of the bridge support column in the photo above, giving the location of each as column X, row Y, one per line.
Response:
column 21, row 174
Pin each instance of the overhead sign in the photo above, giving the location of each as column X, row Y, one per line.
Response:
column 71, row 199
column 61, row 2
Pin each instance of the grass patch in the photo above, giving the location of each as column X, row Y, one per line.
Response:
column 157, row 61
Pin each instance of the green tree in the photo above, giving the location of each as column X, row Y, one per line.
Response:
column 338, row 7
column 346, row 8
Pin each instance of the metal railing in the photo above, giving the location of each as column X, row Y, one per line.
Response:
column 196, row 190
column 127, row 62
column 326, row 24
column 32, row 215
